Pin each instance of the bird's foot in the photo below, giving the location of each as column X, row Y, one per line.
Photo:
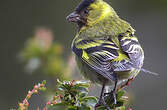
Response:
column 112, row 95
column 102, row 102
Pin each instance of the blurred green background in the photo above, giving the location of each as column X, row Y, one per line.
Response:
column 20, row 18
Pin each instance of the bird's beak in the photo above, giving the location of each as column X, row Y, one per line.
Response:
column 73, row 17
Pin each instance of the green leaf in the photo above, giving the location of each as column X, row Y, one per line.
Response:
column 61, row 88
column 90, row 101
column 101, row 108
column 85, row 84
column 120, row 94
column 42, row 88
column 80, row 89
column 119, row 108
column 59, row 82
column 64, row 87
column 84, row 107
column 83, row 94
column 72, row 108
column 44, row 82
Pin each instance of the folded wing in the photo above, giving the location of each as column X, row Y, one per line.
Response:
column 98, row 54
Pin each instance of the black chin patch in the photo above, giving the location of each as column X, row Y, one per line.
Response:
column 84, row 4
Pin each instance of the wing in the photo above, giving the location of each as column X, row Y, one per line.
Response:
column 130, row 45
column 97, row 53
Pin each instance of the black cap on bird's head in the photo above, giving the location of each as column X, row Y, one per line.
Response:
column 80, row 13
column 83, row 4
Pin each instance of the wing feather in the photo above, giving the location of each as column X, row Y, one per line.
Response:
column 97, row 54
column 130, row 45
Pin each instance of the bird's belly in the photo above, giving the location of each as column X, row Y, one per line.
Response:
column 122, row 75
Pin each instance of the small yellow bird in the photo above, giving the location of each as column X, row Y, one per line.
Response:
column 105, row 47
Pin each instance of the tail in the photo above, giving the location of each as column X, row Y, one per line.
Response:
column 149, row 72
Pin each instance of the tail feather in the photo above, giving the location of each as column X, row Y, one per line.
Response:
column 149, row 72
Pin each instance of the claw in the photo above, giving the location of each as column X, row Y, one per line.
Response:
column 102, row 102
column 112, row 95
column 98, row 104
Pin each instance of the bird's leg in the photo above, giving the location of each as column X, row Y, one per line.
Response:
column 113, row 92
column 101, row 95
column 101, row 100
column 126, row 84
column 104, row 103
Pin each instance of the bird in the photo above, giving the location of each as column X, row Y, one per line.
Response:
column 105, row 46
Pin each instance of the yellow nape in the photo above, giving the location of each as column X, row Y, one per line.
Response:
column 85, row 55
column 106, row 9
column 121, row 56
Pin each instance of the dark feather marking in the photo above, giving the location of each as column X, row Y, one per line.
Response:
column 99, row 48
column 86, row 41
column 134, row 41
column 99, row 61
column 77, row 51
column 83, row 4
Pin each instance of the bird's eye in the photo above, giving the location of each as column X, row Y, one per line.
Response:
column 86, row 11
